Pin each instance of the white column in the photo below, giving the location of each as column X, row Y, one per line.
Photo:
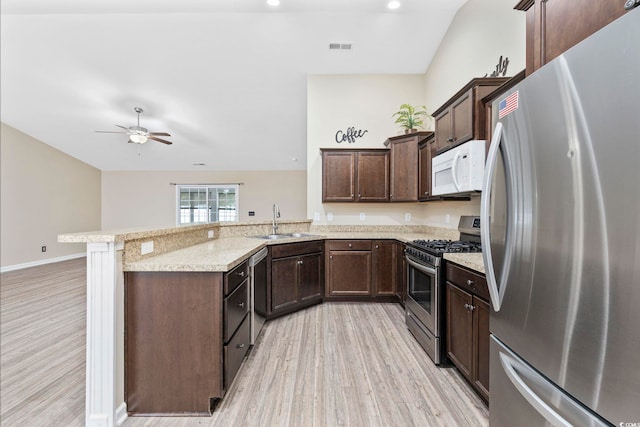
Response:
column 101, row 334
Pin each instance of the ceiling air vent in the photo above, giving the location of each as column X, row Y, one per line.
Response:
column 339, row 46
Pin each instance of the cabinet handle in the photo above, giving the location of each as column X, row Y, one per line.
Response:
column 426, row 192
column 359, row 195
column 241, row 273
column 300, row 262
column 241, row 304
column 240, row 346
column 330, row 256
column 350, row 245
column 377, row 247
column 469, row 307
column 450, row 139
column 469, row 282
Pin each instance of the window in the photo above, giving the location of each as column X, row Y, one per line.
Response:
column 199, row 204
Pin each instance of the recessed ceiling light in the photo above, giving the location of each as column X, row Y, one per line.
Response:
column 199, row 164
column 394, row 4
column 273, row 2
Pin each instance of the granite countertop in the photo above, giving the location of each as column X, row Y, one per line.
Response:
column 470, row 260
column 225, row 253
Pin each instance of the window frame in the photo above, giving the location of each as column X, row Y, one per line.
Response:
column 207, row 189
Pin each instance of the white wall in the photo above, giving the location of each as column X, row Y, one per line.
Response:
column 44, row 192
column 147, row 199
column 481, row 32
column 367, row 102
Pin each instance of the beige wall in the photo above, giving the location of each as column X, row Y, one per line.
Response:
column 141, row 199
column 481, row 32
column 44, row 192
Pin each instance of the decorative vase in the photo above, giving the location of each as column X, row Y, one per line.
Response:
column 406, row 131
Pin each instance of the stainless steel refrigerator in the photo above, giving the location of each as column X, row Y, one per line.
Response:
column 560, row 219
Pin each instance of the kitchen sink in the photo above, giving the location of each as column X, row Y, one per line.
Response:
column 283, row 236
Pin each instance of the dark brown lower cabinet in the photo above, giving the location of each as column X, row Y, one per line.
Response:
column 297, row 276
column 186, row 335
column 467, row 323
column 173, row 342
column 366, row 270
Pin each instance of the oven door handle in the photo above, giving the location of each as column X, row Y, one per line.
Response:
column 421, row 267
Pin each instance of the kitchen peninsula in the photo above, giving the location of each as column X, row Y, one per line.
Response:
column 210, row 248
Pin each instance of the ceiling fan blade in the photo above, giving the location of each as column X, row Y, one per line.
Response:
column 125, row 128
column 108, row 131
column 164, row 141
column 159, row 134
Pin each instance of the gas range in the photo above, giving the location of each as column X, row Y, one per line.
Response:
column 424, row 305
column 439, row 247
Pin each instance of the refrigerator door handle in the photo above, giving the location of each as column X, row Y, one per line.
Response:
column 485, row 223
column 454, row 171
column 520, row 374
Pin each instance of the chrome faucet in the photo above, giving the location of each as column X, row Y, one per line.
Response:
column 276, row 214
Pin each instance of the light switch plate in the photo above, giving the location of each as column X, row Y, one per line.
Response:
column 210, row 234
column 316, row 216
column 361, row 216
column 329, row 216
column 407, row 216
column 146, row 247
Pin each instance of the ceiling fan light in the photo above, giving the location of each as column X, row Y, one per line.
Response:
column 138, row 139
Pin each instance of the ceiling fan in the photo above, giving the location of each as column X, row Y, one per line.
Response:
column 138, row 134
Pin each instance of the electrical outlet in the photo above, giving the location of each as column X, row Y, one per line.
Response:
column 252, row 213
column 44, row 249
column 210, row 234
column 361, row 216
column 316, row 216
column 407, row 216
column 447, row 219
column 146, row 247
column 329, row 216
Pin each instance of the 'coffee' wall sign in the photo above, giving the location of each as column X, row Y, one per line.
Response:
column 350, row 135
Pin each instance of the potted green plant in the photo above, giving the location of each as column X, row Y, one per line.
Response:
column 410, row 117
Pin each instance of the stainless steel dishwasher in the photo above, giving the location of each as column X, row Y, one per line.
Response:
column 258, row 297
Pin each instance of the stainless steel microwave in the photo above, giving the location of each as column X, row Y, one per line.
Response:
column 459, row 170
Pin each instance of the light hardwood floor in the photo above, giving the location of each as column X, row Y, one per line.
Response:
column 336, row 364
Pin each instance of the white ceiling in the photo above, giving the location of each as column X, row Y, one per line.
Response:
column 227, row 78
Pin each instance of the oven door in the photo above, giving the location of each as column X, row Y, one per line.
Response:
column 422, row 293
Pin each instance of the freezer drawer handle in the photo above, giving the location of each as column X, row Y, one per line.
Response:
column 519, row 373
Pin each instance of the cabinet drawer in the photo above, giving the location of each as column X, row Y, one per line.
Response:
column 236, row 306
column 349, row 245
column 236, row 276
column 468, row 280
column 294, row 249
column 235, row 351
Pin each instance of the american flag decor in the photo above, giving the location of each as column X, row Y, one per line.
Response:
column 507, row 105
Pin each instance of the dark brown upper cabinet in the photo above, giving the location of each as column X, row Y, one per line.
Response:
column 553, row 26
column 462, row 117
column 404, row 166
column 355, row 175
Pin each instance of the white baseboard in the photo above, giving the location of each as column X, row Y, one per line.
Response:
column 121, row 414
column 41, row 262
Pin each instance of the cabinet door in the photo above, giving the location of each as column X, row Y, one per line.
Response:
column 404, row 170
column 284, row 283
column 424, row 171
column 310, row 277
column 462, row 118
column 373, row 176
column 459, row 329
column 553, row 26
column 444, row 129
column 349, row 273
column 338, row 176
column 481, row 346
column 385, row 268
